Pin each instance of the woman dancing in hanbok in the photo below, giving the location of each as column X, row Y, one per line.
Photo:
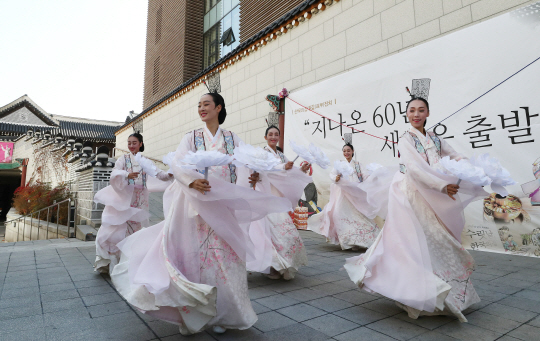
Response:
column 417, row 259
column 191, row 268
column 342, row 221
column 288, row 251
column 126, row 202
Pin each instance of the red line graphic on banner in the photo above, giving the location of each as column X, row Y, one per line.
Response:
column 363, row 132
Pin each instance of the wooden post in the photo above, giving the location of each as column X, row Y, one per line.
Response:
column 23, row 175
column 282, row 123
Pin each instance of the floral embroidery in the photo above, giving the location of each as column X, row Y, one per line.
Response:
column 215, row 253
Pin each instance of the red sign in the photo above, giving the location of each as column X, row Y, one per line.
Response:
column 6, row 152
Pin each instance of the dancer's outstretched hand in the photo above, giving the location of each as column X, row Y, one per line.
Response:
column 289, row 165
column 452, row 190
column 253, row 179
column 338, row 177
column 200, row 185
column 305, row 167
column 133, row 175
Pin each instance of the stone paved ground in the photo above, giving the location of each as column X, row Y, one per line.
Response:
column 48, row 291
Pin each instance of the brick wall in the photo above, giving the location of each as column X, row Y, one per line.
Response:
column 255, row 15
column 173, row 46
column 347, row 35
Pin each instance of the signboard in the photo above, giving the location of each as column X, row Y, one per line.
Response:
column 6, row 152
column 487, row 76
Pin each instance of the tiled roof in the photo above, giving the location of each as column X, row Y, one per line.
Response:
column 85, row 131
column 291, row 14
column 25, row 101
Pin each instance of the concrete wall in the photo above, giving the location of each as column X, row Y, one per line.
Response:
column 347, row 35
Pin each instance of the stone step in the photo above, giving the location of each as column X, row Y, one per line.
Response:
column 85, row 233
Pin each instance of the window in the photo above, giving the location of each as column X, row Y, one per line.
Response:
column 221, row 29
column 159, row 15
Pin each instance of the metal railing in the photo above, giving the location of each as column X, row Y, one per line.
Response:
column 38, row 212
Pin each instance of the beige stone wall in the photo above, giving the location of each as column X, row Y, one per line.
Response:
column 347, row 35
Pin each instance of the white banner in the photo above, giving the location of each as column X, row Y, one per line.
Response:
column 462, row 66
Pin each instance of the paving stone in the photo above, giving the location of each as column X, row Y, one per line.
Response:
column 283, row 286
column 383, row 306
column 101, row 299
column 331, row 325
column 272, row 320
column 355, row 296
column 259, row 308
column 301, row 312
column 331, row 288
column 521, row 303
column 528, row 294
column 20, row 282
column 361, row 334
column 56, row 287
column 307, row 282
column 59, row 295
column 178, row 337
column 307, row 271
column 10, row 293
column 346, row 283
column 36, row 334
column 131, row 333
column 20, row 311
column 478, row 276
column 509, row 312
column 492, row 322
column 44, row 266
column 296, row 332
column 465, row 331
column 535, row 287
column 505, row 289
column 250, row 334
column 124, row 319
column 476, row 306
column 512, row 282
column 67, row 304
column 22, row 275
column 305, row 294
column 330, row 304
column 55, row 280
column 260, row 292
column 360, row 315
column 22, row 323
column 525, row 332
column 162, row 328
column 21, row 268
column 488, row 295
column 68, row 318
column 428, row 322
column 108, row 309
column 535, row 322
column 84, row 277
column 277, row 301
column 90, row 283
column 98, row 290
column 397, row 328
column 33, row 299
column 433, row 336
column 490, row 271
